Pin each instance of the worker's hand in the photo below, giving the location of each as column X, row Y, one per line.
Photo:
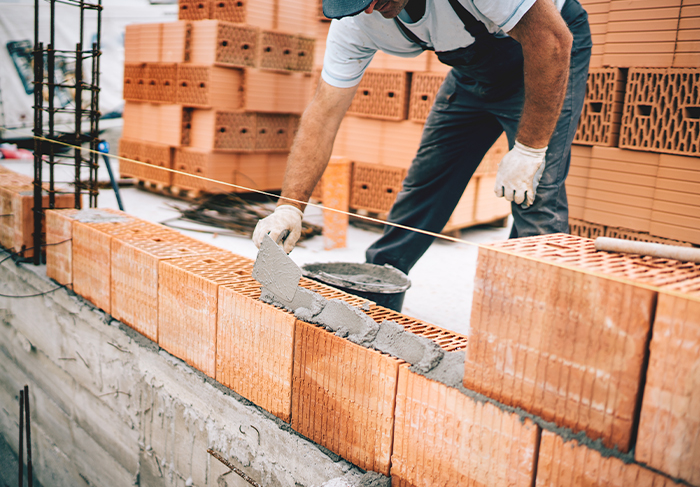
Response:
column 519, row 173
column 285, row 217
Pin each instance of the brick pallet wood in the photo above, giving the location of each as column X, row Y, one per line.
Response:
column 568, row 464
column 443, row 437
column 669, row 426
column 571, row 349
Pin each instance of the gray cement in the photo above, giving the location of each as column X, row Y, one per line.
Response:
column 92, row 215
column 359, row 277
column 110, row 408
column 275, row 270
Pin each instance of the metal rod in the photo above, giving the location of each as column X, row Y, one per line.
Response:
column 21, row 438
column 52, row 95
column 29, row 437
column 78, row 117
column 238, row 471
column 38, row 212
column 95, row 121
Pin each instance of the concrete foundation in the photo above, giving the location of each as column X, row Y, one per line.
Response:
column 111, row 409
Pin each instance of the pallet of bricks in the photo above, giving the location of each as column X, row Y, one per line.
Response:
column 217, row 94
column 382, row 131
column 635, row 168
column 17, row 211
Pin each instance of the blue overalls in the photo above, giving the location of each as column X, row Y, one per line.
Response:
column 481, row 97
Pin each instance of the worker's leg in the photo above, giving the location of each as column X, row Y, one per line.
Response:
column 550, row 212
column 457, row 135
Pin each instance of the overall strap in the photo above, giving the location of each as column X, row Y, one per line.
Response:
column 475, row 28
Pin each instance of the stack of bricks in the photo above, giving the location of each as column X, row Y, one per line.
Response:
column 217, row 95
column 382, row 130
column 17, row 211
column 635, row 167
column 587, row 378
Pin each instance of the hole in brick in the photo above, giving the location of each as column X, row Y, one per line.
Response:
column 390, row 94
column 244, row 131
column 302, row 54
column 202, row 85
column 692, row 113
column 128, row 81
column 188, row 125
column 209, row 261
column 287, row 52
column 184, row 7
column 224, row 43
column 200, row 5
column 198, row 170
column 424, row 97
column 364, row 186
column 365, row 92
column 596, row 107
column 167, row 83
column 184, row 84
column 268, row 49
column 263, row 131
column 239, row 4
column 389, row 190
column 280, row 131
column 643, row 110
column 222, row 130
column 245, row 47
column 222, row 5
column 157, row 240
column 153, row 82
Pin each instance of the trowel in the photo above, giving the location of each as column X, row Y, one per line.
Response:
column 275, row 270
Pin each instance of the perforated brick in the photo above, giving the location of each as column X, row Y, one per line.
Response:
column 602, row 109
column 442, row 437
column 305, row 50
column 255, row 348
column 568, row 464
column 278, row 50
column 59, row 249
column 424, row 88
column 209, row 86
column 92, row 253
column 669, row 428
column 193, row 9
column 229, row 10
column 274, row 132
column 159, row 156
column 134, row 82
column 580, row 228
column 348, row 409
column 223, row 130
column 162, row 83
column 662, row 111
column 275, row 92
column 224, row 43
column 188, row 305
column 134, row 276
column 572, row 348
column 382, row 94
column 375, row 187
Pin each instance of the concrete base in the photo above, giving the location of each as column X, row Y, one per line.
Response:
column 111, row 409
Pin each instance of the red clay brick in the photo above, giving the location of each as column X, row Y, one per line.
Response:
column 382, row 94
column 201, row 86
column 602, row 109
column 224, row 44
column 275, row 92
column 570, row 348
column 255, row 348
column 92, row 244
column 59, row 249
column 424, row 87
column 193, row 9
column 161, row 83
column 188, row 303
column 444, row 438
column 375, row 187
column 669, row 426
column 134, row 276
column 568, row 464
column 23, row 218
column 336, row 195
column 344, row 396
column 134, row 81
column 176, row 40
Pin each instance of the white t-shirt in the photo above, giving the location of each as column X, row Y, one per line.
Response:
column 352, row 41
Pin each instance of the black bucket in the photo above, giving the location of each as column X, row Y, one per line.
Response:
column 385, row 285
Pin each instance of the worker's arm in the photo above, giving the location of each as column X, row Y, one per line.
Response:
column 307, row 160
column 546, row 42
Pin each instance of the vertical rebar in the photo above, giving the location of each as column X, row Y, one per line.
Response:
column 52, row 89
column 78, row 116
column 29, row 437
column 21, row 439
column 94, row 125
column 38, row 211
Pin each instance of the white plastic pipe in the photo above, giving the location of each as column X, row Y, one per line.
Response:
column 683, row 254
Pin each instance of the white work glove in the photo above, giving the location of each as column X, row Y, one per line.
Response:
column 285, row 217
column 519, row 173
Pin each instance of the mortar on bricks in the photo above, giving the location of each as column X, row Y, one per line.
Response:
column 385, row 285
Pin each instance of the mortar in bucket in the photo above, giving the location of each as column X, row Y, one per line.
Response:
column 383, row 284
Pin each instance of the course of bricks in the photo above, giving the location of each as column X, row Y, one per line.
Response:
column 642, row 98
column 196, row 83
column 375, row 411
